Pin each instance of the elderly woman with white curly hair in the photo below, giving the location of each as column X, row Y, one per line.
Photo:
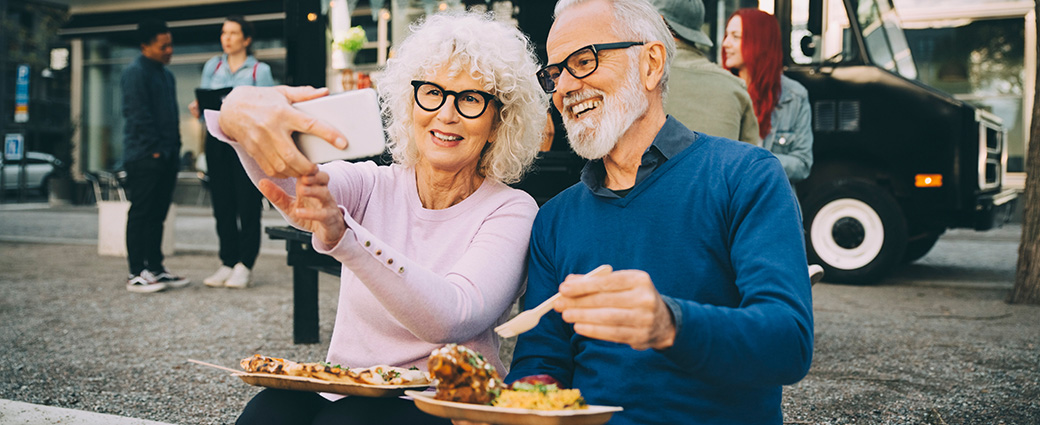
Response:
column 433, row 246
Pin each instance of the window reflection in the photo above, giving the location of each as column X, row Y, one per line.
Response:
column 102, row 119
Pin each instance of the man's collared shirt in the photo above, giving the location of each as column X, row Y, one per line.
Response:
column 667, row 144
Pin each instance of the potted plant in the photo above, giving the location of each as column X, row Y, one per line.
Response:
column 345, row 45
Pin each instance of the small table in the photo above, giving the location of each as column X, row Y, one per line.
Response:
column 306, row 264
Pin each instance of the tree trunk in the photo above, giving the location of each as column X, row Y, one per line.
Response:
column 1027, row 276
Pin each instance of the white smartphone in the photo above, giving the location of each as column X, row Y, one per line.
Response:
column 354, row 113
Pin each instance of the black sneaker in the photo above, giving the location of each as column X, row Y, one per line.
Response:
column 171, row 280
column 144, row 283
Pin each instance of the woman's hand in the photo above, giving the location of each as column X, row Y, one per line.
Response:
column 313, row 208
column 263, row 120
column 193, row 107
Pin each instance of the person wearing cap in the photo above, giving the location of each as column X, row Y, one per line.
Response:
column 702, row 95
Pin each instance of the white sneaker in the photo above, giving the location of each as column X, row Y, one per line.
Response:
column 815, row 273
column 240, row 278
column 218, row 278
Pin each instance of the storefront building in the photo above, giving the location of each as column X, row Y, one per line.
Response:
column 294, row 37
column 99, row 36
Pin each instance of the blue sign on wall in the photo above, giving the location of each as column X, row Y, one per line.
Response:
column 21, row 95
column 14, row 145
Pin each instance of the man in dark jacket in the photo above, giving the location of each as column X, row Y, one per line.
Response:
column 152, row 144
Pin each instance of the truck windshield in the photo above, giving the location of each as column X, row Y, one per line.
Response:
column 884, row 37
column 882, row 33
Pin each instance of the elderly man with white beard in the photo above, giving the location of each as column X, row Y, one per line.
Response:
column 709, row 310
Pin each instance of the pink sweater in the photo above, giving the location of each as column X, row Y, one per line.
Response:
column 414, row 279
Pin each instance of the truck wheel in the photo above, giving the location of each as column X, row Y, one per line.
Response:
column 856, row 231
column 918, row 246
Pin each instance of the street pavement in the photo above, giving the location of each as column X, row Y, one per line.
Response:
column 935, row 343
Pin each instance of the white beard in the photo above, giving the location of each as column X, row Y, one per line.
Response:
column 594, row 139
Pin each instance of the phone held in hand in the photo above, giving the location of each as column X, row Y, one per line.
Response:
column 355, row 114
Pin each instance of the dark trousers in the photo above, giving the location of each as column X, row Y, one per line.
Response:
column 237, row 205
column 149, row 185
column 274, row 407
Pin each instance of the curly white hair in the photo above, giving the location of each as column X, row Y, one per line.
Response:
column 495, row 54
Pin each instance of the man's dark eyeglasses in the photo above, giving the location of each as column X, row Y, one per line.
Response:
column 580, row 64
column 469, row 103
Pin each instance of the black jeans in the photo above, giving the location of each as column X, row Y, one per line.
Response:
column 237, row 205
column 149, row 185
column 278, row 407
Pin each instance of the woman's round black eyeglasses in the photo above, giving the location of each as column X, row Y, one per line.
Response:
column 469, row 103
column 580, row 64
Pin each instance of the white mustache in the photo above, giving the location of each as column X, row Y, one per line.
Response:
column 575, row 98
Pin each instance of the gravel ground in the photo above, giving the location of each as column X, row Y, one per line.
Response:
column 75, row 338
column 935, row 344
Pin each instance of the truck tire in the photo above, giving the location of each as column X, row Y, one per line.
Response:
column 918, row 246
column 856, row 231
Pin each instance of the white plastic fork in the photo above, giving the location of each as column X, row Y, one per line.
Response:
column 527, row 320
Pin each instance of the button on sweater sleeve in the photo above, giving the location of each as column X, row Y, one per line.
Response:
column 453, row 305
column 443, row 307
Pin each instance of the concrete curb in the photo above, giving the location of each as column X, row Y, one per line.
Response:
column 16, row 412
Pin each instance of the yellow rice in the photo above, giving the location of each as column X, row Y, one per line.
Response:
column 551, row 400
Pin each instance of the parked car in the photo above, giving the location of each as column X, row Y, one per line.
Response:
column 39, row 168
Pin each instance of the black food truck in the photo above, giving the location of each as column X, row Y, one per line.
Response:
column 896, row 162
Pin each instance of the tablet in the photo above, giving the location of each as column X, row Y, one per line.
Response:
column 355, row 114
column 211, row 98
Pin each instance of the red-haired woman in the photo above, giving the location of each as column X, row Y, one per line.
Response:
column 751, row 50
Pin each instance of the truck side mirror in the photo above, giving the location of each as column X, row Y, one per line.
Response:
column 808, row 45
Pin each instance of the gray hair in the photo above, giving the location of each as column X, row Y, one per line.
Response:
column 636, row 20
column 495, row 54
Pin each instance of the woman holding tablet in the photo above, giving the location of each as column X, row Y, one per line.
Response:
column 236, row 203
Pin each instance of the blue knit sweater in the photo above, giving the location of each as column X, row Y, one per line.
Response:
column 717, row 229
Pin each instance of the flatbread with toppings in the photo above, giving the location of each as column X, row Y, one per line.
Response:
column 375, row 375
column 390, row 375
column 323, row 371
column 264, row 364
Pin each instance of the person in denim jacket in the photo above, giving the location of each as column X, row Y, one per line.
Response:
column 751, row 50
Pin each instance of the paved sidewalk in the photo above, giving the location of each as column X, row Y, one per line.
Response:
column 18, row 413
column 78, row 225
